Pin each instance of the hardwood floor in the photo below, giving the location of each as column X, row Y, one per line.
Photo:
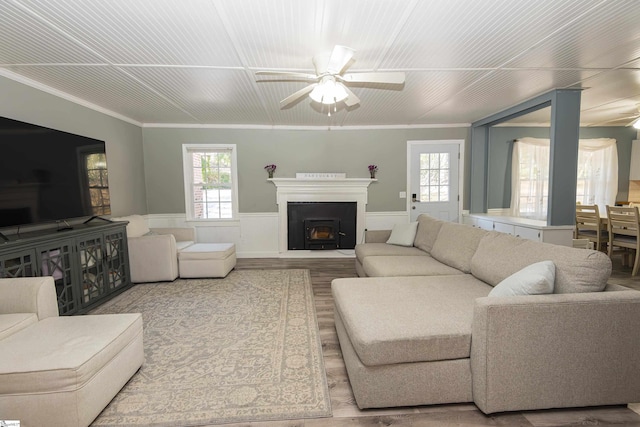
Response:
column 345, row 411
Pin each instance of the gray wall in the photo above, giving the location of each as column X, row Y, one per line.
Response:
column 123, row 140
column 501, row 146
column 349, row 151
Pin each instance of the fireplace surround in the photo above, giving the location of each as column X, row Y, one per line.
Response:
column 319, row 190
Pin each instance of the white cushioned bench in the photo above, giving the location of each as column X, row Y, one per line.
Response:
column 207, row 260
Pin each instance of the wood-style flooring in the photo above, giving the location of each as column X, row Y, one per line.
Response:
column 345, row 411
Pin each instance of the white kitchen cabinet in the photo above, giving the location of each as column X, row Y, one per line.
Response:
column 522, row 227
column 484, row 224
column 504, row 227
column 528, row 233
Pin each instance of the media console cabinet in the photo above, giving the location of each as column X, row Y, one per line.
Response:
column 89, row 262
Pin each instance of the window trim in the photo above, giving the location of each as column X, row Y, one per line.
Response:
column 187, row 149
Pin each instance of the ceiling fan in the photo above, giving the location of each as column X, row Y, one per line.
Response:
column 330, row 83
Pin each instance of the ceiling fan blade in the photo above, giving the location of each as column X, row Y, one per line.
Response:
column 352, row 99
column 287, row 74
column 339, row 58
column 297, row 95
column 381, row 77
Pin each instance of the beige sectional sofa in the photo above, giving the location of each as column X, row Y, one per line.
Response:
column 419, row 326
column 60, row 371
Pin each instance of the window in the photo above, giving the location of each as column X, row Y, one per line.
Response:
column 597, row 179
column 95, row 179
column 210, row 181
column 434, row 177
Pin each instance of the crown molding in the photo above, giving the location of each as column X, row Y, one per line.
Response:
column 288, row 127
column 60, row 94
column 79, row 101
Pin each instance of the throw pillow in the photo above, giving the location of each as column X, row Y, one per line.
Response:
column 403, row 234
column 534, row 279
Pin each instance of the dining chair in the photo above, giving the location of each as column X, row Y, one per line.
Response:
column 624, row 229
column 589, row 226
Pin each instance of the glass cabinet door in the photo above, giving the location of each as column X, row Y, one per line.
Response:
column 18, row 264
column 115, row 260
column 92, row 271
column 56, row 260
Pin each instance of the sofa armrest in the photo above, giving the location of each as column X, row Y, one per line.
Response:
column 553, row 351
column 182, row 234
column 29, row 295
column 153, row 258
column 377, row 236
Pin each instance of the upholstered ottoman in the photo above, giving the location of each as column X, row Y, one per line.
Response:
column 207, row 260
column 63, row 371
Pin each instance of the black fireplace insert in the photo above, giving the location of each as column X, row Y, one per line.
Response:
column 321, row 225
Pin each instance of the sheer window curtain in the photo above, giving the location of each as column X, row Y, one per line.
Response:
column 597, row 172
column 597, row 175
column 530, row 178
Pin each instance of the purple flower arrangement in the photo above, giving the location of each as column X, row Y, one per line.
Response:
column 270, row 169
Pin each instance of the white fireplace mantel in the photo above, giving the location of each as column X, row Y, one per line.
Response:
column 320, row 190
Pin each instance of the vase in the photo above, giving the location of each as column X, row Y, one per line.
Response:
column 270, row 174
column 373, row 174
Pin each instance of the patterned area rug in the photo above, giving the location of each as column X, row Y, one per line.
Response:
column 242, row 348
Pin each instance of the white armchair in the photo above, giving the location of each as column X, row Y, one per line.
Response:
column 153, row 253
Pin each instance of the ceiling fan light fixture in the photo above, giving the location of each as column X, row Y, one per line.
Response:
column 328, row 91
column 636, row 124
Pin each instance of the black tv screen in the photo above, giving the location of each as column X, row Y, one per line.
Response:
column 49, row 175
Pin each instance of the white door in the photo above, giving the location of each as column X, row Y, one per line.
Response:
column 434, row 179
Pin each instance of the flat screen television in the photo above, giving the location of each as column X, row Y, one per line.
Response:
column 47, row 175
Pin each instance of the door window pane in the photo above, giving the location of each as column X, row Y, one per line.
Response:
column 435, row 174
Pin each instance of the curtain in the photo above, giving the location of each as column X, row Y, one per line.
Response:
column 597, row 179
column 597, row 172
column 530, row 178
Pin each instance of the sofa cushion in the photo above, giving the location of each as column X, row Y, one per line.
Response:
column 207, row 251
column 427, row 233
column 408, row 319
column 456, row 244
column 364, row 250
column 183, row 244
column 403, row 234
column 534, row 279
column 137, row 225
column 500, row 255
column 61, row 354
column 406, row 265
column 10, row 323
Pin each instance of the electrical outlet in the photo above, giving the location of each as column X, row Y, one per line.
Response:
column 403, row 194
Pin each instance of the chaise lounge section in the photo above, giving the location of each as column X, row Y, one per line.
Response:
column 60, row 370
column 421, row 328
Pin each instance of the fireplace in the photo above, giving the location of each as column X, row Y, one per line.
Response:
column 319, row 190
column 321, row 225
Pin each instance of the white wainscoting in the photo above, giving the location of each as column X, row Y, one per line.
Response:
column 385, row 220
column 256, row 234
